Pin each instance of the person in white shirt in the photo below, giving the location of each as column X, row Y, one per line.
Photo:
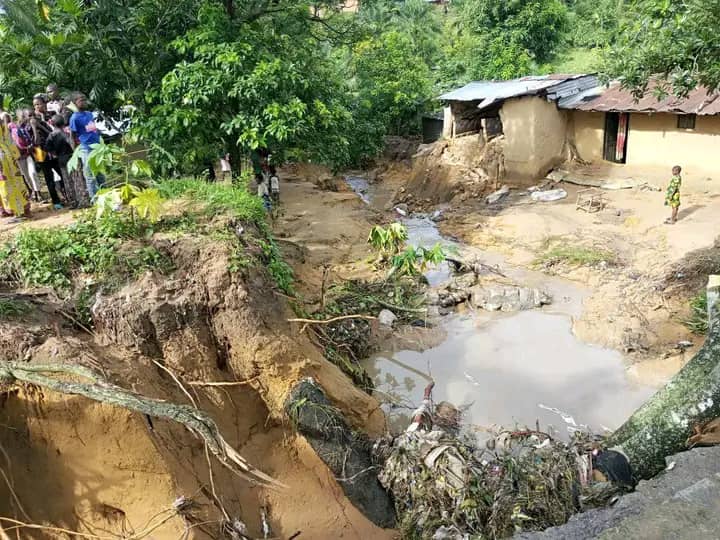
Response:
column 263, row 191
column 274, row 186
column 225, row 168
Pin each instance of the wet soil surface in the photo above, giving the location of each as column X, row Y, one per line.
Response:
column 501, row 367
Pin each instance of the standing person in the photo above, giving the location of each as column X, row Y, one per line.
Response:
column 83, row 128
column 41, row 131
column 672, row 195
column 263, row 192
column 59, row 147
column 12, row 189
column 55, row 103
column 274, row 186
column 23, row 138
column 225, row 168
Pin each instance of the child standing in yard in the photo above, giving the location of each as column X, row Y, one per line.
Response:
column 274, row 186
column 672, row 196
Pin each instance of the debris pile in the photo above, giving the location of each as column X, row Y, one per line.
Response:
column 485, row 287
column 447, row 487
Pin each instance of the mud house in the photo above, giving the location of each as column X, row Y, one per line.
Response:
column 546, row 119
column 608, row 123
column 524, row 111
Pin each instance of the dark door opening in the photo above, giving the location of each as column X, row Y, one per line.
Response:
column 616, row 131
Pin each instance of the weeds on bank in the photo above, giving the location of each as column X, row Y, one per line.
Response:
column 92, row 246
column 13, row 307
column 239, row 203
column 698, row 320
column 216, row 198
column 574, row 255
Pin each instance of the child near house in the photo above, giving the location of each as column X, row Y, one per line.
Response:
column 672, row 196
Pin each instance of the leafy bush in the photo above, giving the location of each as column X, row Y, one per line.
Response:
column 388, row 242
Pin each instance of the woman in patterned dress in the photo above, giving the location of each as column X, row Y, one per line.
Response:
column 12, row 187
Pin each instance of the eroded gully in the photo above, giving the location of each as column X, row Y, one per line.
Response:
column 506, row 368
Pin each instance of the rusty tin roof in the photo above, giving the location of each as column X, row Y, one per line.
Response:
column 617, row 99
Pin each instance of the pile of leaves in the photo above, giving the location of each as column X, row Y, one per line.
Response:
column 446, row 486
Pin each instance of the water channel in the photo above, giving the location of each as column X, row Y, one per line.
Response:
column 506, row 368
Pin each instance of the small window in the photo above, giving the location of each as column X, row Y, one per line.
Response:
column 686, row 121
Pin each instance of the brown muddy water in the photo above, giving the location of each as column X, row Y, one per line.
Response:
column 506, row 368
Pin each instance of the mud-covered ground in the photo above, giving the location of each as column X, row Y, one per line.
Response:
column 100, row 468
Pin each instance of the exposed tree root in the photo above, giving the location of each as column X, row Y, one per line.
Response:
column 196, row 421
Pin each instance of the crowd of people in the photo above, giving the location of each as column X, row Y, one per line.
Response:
column 42, row 140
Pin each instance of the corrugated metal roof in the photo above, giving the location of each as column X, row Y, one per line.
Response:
column 617, row 99
column 555, row 86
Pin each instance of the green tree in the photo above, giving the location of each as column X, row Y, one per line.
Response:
column 248, row 84
column 677, row 41
column 392, row 82
column 113, row 51
column 536, row 25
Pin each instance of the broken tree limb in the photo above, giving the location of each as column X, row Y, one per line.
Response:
column 196, row 421
column 334, row 319
column 662, row 426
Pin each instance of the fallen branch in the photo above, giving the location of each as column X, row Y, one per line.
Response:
column 334, row 319
column 196, row 421
column 223, row 383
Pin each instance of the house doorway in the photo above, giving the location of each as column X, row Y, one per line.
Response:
column 616, row 137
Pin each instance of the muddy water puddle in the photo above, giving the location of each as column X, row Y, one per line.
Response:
column 502, row 367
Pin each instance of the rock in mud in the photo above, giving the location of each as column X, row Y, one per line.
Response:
column 387, row 317
column 497, row 195
column 507, row 298
column 345, row 452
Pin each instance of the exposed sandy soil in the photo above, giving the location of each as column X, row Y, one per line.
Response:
column 79, row 465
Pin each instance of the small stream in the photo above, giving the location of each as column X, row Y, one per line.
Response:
column 500, row 367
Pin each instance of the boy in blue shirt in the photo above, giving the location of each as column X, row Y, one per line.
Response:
column 83, row 128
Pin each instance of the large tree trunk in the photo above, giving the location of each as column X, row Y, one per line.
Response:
column 661, row 427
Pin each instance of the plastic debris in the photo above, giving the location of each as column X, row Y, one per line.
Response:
column 549, row 195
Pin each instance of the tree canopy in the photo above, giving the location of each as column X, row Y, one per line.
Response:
column 307, row 80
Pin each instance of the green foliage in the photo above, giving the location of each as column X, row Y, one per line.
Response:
column 112, row 51
column 675, row 40
column 13, row 307
column 697, row 322
column 388, row 241
column 245, row 85
column 536, row 26
column 279, row 270
column 393, row 82
column 52, row 257
column 217, row 198
column 414, row 261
